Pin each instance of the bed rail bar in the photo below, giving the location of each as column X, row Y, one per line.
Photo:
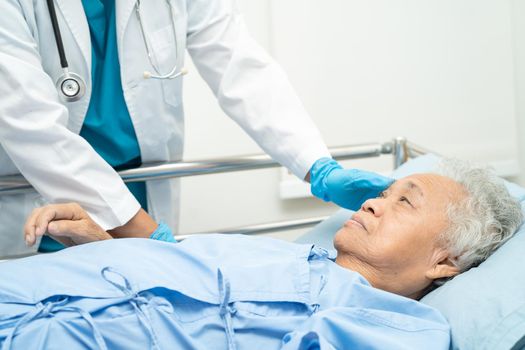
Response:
column 399, row 147
column 259, row 229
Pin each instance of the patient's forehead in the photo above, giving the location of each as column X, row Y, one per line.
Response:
column 431, row 187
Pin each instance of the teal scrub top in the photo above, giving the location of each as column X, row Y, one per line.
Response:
column 107, row 126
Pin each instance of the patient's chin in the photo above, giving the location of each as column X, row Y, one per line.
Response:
column 343, row 238
column 341, row 232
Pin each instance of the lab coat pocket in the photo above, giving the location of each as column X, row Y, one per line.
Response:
column 163, row 45
column 172, row 90
column 166, row 48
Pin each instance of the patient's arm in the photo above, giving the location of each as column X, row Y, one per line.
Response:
column 67, row 223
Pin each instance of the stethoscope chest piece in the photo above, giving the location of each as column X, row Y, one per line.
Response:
column 71, row 87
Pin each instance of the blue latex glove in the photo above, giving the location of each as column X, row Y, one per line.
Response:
column 347, row 188
column 163, row 233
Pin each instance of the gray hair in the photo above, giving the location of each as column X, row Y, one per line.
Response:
column 482, row 221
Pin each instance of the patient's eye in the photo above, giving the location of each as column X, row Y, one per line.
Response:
column 405, row 199
column 382, row 194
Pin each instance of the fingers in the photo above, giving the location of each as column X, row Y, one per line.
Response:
column 76, row 231
column 37, row 223
column 69, row 211
column 64, row 228
column 30, row 227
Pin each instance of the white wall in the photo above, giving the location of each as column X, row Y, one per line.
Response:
column 438, row 71
column 518, row 20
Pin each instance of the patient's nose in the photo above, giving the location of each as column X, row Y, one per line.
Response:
column 372, row 206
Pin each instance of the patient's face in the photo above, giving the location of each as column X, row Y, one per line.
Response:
column 396, row 237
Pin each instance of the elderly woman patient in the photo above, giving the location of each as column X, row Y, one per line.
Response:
column 238, row 292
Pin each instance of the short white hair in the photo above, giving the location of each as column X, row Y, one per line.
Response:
column 483, row 220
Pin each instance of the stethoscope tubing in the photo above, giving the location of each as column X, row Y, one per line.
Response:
column 72, row 87
column 172, row 74
column 58, row 36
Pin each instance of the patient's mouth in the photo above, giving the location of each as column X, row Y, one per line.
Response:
column 355, row 223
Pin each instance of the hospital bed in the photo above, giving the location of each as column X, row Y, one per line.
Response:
column 485, row 306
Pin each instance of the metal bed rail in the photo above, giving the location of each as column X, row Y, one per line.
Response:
column 17, row 184
column 399, row 148
column 259, row 229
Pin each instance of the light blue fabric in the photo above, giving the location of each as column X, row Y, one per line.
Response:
column 107, row 126
column 210, row 291
column 486, row 305
column 348, row 188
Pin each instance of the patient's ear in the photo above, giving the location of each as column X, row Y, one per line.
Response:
column 444, row 268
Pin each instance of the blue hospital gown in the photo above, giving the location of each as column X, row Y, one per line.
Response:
column 207, row 292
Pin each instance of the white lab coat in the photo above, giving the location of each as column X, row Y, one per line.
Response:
column 39, row 133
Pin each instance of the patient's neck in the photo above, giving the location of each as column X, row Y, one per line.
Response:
column 370, row 273
column 378, row 278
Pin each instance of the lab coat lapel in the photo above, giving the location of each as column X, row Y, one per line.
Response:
column 124, row 8
column 73, row 12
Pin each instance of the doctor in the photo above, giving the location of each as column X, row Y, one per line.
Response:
column 94, row 86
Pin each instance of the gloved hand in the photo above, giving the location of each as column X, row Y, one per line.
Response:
column 163, row 233
column 347, row 188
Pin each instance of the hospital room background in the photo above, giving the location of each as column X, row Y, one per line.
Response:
column 447, row 74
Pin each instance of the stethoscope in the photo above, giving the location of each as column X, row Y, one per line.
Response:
column 71, row 87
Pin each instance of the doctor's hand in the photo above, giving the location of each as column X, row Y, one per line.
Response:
column 69, row 224
column 347, row 188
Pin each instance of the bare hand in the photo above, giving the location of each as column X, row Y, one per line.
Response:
column 67, row 223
